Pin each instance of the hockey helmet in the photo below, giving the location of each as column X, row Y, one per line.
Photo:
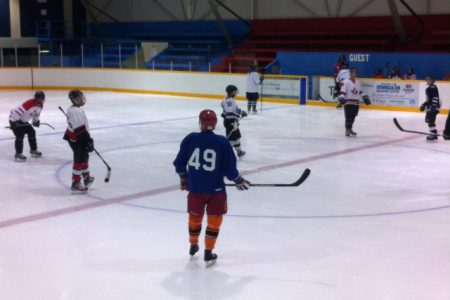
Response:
column 207, row 120
column 430, row 79
column 74, row 94
column 230, row 89
column 39, row 95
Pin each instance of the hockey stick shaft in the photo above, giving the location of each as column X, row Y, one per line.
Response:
column 325, row 101
column 28, row 124
column 397, row 124
column 299, row 181
column 108, row 168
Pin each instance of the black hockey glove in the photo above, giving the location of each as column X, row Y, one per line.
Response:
column 90, row 145
column 341, row 100
column 423, row 106
column 242, row 184
column 13, row 125
column 36, row 123
column 243, row 114
column 366, row 100
column 184, row 182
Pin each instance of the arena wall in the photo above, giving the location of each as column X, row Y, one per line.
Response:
column 187, row 84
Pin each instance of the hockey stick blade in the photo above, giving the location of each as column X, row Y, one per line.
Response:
column 325, row 101
column 299, row 181
column 397, row 124
column 48, row 125
column 108, row 168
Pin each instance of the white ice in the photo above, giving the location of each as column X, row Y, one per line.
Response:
column 371, row 222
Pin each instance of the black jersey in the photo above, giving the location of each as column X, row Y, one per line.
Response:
column 432, row 94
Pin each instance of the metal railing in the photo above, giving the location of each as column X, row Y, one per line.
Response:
column 100, row 55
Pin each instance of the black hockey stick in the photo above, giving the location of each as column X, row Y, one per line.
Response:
column 28, row 124
column 299, row 181
column 108, row 168
column 326, row 101
column 412, row 131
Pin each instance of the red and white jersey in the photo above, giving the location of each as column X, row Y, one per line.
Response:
column 30, row 109
column 77, row 123
column 343, row 75
column 252, row 82
column 351, row 91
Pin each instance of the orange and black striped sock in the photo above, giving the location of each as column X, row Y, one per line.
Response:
column 212, row 231
column 195, row 227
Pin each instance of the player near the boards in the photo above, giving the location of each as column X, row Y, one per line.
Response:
column 253, row 80
column 18, row 120
column 202, row 162
column 336, row 69
column 350, row 96
column 343, row 75
column 231, row 114
column 431, row 105
column 80, row 141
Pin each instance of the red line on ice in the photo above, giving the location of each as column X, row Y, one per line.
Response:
column 124, row 198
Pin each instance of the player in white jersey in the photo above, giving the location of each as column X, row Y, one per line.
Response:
column 80, row 141
column 350, row 96
column 253, row 80
column 344, row 74
column 18, row 120
column 231, row 114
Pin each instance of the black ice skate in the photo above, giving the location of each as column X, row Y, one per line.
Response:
column 350, row 133
column 88, row 181
column 19, row 157
column 446, row 136
column 432, row 138
column 339, row 105
column 194, row 249
column 78, row 187
column 210, row 258
column 36, row 153
column 240, row 153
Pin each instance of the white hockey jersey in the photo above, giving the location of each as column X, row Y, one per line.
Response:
column 351, row 91
column 230, row 109
column 30, row 109
column 252, row 82
column 78, row 127
column 343, row 75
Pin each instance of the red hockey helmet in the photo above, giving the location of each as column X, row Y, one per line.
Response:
column 207, row 120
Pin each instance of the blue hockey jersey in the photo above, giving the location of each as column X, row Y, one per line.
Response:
column 206, row 157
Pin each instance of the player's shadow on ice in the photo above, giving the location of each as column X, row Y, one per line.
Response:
column 197, row 282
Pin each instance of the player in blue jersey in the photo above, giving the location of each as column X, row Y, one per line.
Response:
column 203, row 160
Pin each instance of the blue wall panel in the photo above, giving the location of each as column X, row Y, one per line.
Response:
column 304, row 63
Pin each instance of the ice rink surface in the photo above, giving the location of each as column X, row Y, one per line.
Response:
column 371, row 222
